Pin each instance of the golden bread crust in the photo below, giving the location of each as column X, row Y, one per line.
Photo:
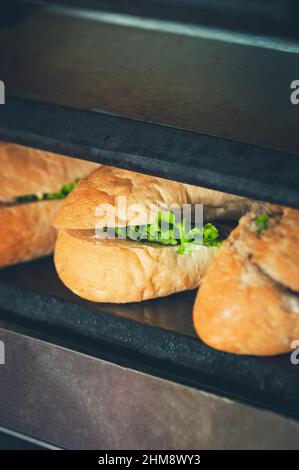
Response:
column 25, row 229
column 125, row 271
column 244, row 305
column 26, row 171
column 26, row 232
column 105, row 185
column 275, row 250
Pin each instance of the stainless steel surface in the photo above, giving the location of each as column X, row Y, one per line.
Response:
column 154, row 337
column 12, row 440
column 79, row 402
column 209, row 86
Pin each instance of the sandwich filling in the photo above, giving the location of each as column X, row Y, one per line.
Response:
column 167, row 231
column 262, row 223
column 64, row 191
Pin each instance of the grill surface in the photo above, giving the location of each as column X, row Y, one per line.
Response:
column 155, row 336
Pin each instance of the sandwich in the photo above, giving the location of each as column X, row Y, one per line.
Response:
column 33, row 184
column 248, row 301
column 149, row 250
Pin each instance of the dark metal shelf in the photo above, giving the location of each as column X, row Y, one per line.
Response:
column 206, row 111
column 171, row 153
column 156, row 337
column 278, row 17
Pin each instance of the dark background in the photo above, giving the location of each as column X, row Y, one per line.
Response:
column 273, row 17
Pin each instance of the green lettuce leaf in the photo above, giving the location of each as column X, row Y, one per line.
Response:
column 166, row 231
column 65, row 190
column 262, row 223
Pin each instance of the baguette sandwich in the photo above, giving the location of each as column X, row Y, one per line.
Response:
column 248, row 301
column 33, row 184
column 127, row 267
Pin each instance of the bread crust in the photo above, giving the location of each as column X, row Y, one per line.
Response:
column 105, row 185
column 25, row 171
column 25, row 229
column 123, row 271
column 26, row 232
column 275, row 250
column 219, row 205
column 243, row 305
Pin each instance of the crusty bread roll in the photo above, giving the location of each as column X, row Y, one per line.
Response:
column 124, row 270
column 219, row 205
column 26, row 230
column 106, row 184
column 248, row 301
column 25, row 170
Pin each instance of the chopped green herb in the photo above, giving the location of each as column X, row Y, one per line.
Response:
column 30, row 198
column 166, row 231
column 262, row 223
column 65, row 190
column 211, row 235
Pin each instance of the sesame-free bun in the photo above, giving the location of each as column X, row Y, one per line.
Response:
column 26, row 230
column 104, row 186
column 123, row 271
column 25, row 170
column 248, row 301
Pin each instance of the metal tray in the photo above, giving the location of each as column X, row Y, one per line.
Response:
column 153, row 336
